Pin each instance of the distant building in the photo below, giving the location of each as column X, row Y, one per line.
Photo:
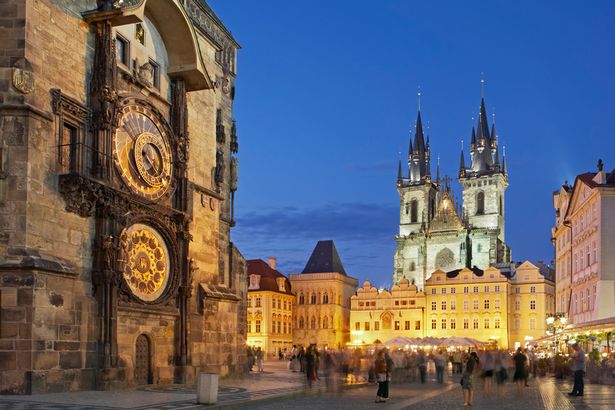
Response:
column 270, row 307
column 383, row 315
column 435, row 230
column 323, row 291
column 506, row 307
column 583, row 237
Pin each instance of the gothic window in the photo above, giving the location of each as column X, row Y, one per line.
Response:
column 325, row 299
column 407, row 208
column 313, row 298
column 480, row 203
column 444, row 259
column 325, row 322
column 412, row 266
column 414, row 210
column 501, row 208
column 313, row 323
column 301, row 323
column 301, row 299
column 122, row 48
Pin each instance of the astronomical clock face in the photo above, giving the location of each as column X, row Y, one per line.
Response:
column 142, row 153
column 146, row 262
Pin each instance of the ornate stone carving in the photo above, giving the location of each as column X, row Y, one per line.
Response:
column 219, row 171
column 23, row 77
column 62, row 104
column 234, row 174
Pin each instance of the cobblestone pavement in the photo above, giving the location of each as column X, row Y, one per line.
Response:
column 278, row 388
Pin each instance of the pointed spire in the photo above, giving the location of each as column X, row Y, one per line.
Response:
column 438, row 171
column 399, row 175
column 504, row 160
column 462, row 162
column 410, row 146
column 473, row 143
column 483, row 127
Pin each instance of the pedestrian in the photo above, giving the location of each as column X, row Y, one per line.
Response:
column 488, row 367
column 259, row 359
column 380, row 367
column 422, row 362
column 457, row 356
column 501, row 373
column 440, row 360
column 250, row 353
column 578, row 367
column 466, row 379
column 310, row 364
column 528, row 365
column 520, row 361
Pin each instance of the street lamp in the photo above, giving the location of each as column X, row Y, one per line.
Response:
column 555, row 325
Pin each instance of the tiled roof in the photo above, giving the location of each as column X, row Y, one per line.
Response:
column 324, row 259
column 269, row 276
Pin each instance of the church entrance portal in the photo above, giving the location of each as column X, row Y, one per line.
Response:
column 142, row 361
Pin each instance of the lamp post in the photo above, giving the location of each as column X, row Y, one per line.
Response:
column 555, row 326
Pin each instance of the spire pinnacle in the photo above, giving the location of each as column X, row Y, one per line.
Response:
column 438, row 170
column 504, row 160
column 482, row 84
column 418, row 94
column 399, row 175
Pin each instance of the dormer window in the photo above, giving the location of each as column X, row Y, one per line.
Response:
column 254, row 282
column 281, row 285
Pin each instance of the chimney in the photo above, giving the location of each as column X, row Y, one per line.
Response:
column 600, row 177
column 273, row 262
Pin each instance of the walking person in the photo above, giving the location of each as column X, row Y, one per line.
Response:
column 466, row 379
column 259, row 359
column 381, row 370
column 578, row 367
column 310, row 364
column 501, row 373
column 422, row 362
column 488, row 368
column 440, row 361
column 520, row 361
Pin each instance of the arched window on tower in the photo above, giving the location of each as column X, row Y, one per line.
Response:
column 412, row 266
column 313, row 323
column 480, row 203
column 301, row 323
column 325, row 299
column 414, row 210
column 325, row 322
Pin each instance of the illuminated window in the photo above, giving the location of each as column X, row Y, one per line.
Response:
column 258, row 326
column 249, row 326
column 407, row 325
column 357, row 325
column 497, row 323
column 433, row 305
column 453, row 324
column 417, row 325
column 443, row 305
column 433, row 323
column 366, row 325
column 532, row 305
column 397, row 325
column 532, row 324
column 376, row 325
column 475, row 304
column 475, row 323
column 486, row 323
column 466, row 323
column 258, row 301
column 486, row 303
column 443, row 323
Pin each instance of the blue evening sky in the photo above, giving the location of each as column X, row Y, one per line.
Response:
column 326, row 94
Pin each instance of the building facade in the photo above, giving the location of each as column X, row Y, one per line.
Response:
column 583, row 235
column 434, row 236
column 118, row 177
column 506, row 307
column 323, row 291
column 270, row 308
column 383, row 315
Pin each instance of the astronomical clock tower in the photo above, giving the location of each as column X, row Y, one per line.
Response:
column 118, row 170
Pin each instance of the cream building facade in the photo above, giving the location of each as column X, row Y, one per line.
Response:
column 383, row 315
column 323, row 290
column 584, row 234
column 270, row 308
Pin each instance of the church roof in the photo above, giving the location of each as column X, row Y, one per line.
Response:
column 324, row 259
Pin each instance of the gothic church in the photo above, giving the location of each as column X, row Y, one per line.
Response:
column 435, row 230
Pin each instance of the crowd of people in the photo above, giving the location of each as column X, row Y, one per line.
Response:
column 383, row 365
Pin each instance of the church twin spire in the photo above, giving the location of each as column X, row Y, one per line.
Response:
column 419, row 153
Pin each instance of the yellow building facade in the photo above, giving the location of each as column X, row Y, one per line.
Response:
column 323, row 290
column 270, row 308
column 383, row 315
column 504, row 307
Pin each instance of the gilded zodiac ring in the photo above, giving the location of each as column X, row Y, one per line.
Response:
column 147, row 269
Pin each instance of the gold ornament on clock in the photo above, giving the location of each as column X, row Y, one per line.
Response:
column 142, row 152
column 146, row 264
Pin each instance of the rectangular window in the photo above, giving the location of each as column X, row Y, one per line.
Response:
column 517, row 290
column 405, row 302
column 496, row 303
column 497, row 323
column 486, row 288
column 475, row 290
column 532, row 305
column 413, row 302
column 517, row 305
column 475, row 304
column 443, row 323
column 249, row 302
column 486, row 303
column 453, row 323
column 444, row 305
column 433, row 323
column 433, row 291
column 397, row 303
column 453, row 290
column 366, row 325
column 249, row 326
column 466, row 323
column 68, row 148
column 155, row 74
column 466, row 305
column 397, row 325
column 453, row 305
column 532, row 289
column 433, row 305
column 517, row 323
column 258, row 302
column 444, row 291
column 417, row 325
column 475, row 323
column 376, row 325
column 357, row 325
column 122, row 49
column 465, row 289
column 407, row 325
column 532, row 324
column 258, row 326
column 486, row 323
